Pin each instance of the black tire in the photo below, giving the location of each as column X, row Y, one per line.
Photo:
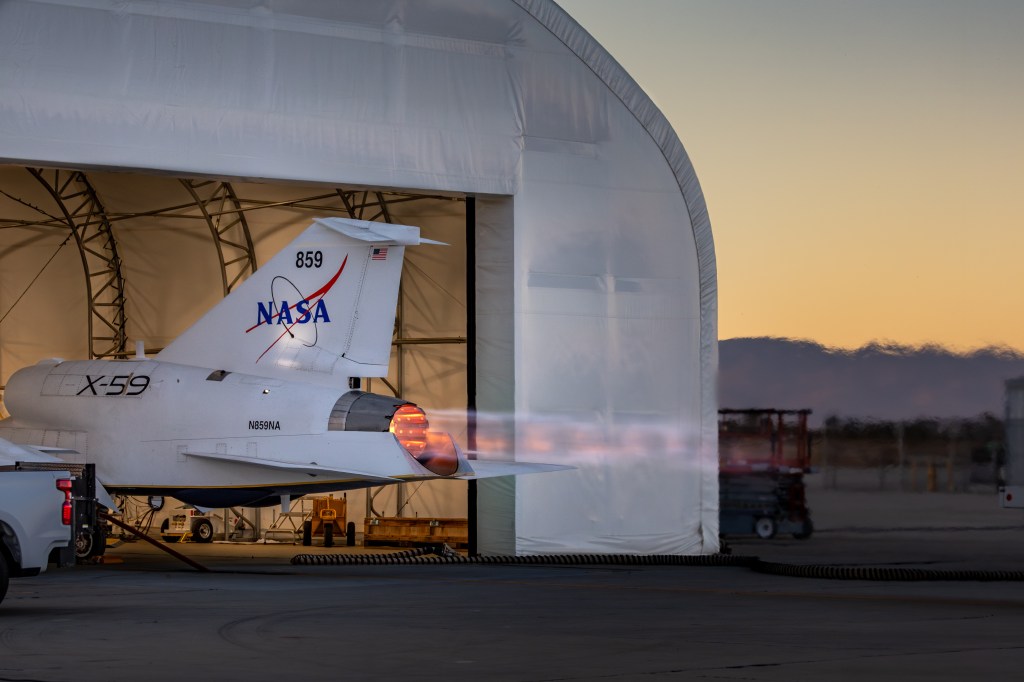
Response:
column 806, row 531
column 202, row 531
column 5, row 574
column 329, row 534
column 164, row 527
column 350, row 534
column 764, row 527
column 99, row 542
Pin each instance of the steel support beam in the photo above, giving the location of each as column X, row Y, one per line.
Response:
column 85, row 216
column 365, row 205
column 223, row 213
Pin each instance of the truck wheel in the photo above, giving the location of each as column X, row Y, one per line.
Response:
column 764, row 528
column 99, row 539
column 164, row 527
column 5, row 574
column 806, row 531
column 202, row 531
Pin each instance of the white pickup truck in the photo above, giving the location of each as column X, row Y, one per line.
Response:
column 36, row 520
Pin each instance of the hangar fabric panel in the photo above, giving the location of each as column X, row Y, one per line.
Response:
column 501, row 127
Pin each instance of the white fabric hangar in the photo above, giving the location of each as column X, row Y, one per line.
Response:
column 159, row 152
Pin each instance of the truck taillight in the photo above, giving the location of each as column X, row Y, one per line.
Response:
column 66, row 510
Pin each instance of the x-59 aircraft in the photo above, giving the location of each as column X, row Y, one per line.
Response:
column 254, row 404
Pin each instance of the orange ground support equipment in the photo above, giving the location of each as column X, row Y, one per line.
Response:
column 329, row 510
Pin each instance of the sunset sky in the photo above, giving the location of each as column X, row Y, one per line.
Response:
column 863, row 162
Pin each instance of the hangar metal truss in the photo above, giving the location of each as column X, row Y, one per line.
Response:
column 83, row 214
column 78, row 209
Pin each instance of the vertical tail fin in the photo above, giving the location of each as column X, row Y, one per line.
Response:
column 322, row 310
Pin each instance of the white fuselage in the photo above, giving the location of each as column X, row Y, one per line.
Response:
column 147, row 424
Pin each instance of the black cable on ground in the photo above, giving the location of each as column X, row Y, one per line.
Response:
column 882, row 573
column 443, row 554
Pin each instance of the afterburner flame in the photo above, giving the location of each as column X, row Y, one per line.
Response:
column 410, row 426
column 434, row 450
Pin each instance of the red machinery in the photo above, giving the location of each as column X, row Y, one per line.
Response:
column 763, row 456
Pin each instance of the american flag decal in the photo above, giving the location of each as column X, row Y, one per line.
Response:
column 379, row 253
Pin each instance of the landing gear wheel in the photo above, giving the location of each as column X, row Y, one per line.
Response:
column 164, row 527
column 806, row 531
column 202, row 531
column 764, row 528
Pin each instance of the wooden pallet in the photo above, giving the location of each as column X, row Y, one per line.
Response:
column 417, row 531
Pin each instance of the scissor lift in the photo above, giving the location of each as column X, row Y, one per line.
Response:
column 763, row 456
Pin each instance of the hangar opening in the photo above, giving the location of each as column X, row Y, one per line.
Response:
column 192, row 137
column 97, row 262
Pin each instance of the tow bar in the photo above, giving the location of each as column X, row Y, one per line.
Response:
column 159, row 545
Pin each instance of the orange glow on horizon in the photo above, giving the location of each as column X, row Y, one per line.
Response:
column 861, row 163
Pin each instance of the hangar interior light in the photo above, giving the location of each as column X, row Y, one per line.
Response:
column 93, row 261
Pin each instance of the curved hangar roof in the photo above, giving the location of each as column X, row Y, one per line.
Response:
column 603, row 304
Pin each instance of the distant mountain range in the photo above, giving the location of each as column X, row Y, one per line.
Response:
column 878, row 381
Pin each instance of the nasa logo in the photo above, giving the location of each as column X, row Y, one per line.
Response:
column 302, row 312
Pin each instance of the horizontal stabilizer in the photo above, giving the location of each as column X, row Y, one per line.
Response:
column 308, row 468
column 492, row 469
column 377, row 233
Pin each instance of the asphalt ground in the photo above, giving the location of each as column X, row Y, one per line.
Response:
column 256, row 616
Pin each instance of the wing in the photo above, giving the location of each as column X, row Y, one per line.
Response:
column 492, row 469
column 12, row 452
column 308, row 468
column 50, row 455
